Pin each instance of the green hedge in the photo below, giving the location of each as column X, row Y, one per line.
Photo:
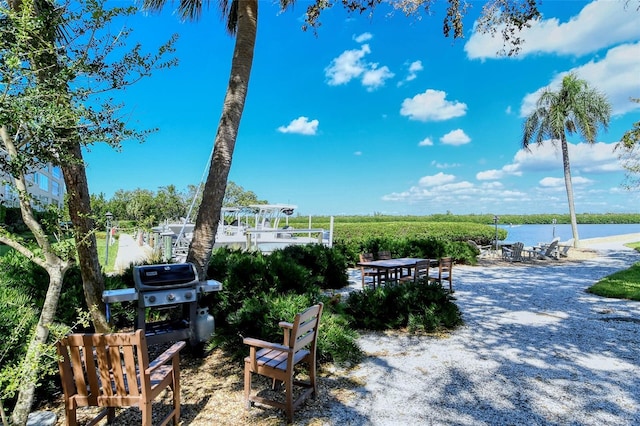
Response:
column 417, row 306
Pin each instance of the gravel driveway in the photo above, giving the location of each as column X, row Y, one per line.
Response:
column 536, row 349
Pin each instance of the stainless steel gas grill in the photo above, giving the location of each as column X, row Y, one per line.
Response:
column 170, row 292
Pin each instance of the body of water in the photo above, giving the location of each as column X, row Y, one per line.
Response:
column 534, row 234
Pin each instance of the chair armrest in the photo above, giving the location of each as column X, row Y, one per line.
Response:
column 263, row 344
column 165, row 357
column 285, row 324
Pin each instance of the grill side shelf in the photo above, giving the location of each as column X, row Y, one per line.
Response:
column 119, row 295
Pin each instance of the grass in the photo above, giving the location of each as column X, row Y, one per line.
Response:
column 622, row 284
column 102, row 252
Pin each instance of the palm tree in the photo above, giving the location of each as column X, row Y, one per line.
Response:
column 242, row 20
column 575, row 108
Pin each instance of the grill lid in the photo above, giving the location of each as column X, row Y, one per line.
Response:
column 173, row 275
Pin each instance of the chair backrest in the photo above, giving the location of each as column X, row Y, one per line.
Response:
column 102, row 369
column 366, row 257
column 517, row 249
column 305, row 329
column 473, row 244
column 552, row 247
column 422, row 269
column 445, row 265
column 384, row 255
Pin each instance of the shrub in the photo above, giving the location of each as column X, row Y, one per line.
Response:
column 260, row 315
column 418, row 306
column 326, row 265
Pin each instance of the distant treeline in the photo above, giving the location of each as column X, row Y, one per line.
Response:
column 485, row 219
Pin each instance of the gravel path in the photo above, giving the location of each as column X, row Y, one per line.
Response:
column 535, row 350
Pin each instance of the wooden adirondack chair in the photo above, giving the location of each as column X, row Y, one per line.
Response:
column 513, row 254
column 113, row 370
column 278, row 361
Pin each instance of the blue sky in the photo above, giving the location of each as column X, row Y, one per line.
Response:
column 382, row 113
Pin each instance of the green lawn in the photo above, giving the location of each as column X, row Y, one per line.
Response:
column 621, row 285
column 113, row 252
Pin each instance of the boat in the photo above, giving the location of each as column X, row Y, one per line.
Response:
column 263, row 227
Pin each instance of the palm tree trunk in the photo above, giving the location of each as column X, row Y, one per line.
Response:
column 204, row 233
column 569, row 186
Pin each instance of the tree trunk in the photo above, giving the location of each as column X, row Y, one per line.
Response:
column 30, row 367
column 204, row 234
column 79, row 203
column 569, row 186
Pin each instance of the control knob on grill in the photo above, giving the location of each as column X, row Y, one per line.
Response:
column 171, row 297
column 188, row 295
column 152, row 299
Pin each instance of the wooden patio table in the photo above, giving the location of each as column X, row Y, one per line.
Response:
column 396, row 265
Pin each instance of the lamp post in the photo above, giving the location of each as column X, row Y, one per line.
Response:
column 495, row 223
column 554, row 227
column 109, row 216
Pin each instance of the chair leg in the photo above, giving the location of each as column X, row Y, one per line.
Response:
column 71, row 416
column 289, row 398
column 247, row 386
column 111, row 414
column 312, row 375
column 146, row 413
column 176, row 397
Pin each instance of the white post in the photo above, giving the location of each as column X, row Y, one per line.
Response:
column 331, row 232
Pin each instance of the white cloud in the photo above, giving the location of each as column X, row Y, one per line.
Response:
column 357, row 153
column 352, row 65
column 426, row 142
column 599, row 24
column 432, row 106
column 414, row 68
column 584, row 158
column 375, row 77
column 301, row 126
column 438, row 179
column 444, row 165
column 363, row 37
column 552, row 182
column 490, row 175
column 616, row 75
column 455, row 137
column 347, row 66
column 508, row 111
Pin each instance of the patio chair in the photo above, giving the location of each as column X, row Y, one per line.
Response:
column 481, row 250
column 388, row 275
column 420, row 272
column 375, row 274
column 278, row 361
column 563, row 250
column 548, row 251
column 113, row 370
column 384, row 255
column 513, row 253
column 445, row 272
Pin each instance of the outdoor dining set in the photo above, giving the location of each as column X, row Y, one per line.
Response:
column 384, row 269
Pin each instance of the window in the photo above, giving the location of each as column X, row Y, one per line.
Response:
column 56, row 172
column 42, row 181
column 55, row 188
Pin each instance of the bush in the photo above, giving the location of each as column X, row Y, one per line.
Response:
column 420, row 247
column 418, row 306
column 326, row 265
